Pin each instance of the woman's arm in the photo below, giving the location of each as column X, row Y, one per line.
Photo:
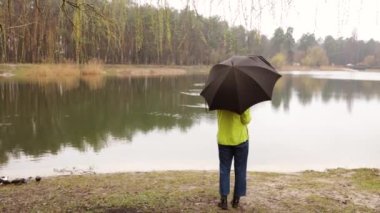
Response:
column 245, row 118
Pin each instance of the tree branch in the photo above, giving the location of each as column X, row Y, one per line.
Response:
column 23, row 25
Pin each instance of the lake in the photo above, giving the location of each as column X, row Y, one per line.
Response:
column 316, row 120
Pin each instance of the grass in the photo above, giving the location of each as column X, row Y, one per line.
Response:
column 94, row 67
column 69, row 75
column 367, row 179
column 196, row 191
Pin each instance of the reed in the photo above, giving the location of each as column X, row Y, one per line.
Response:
column 93, row 67
column 52, row 71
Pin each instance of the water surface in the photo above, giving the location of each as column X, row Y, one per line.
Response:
column 317, row 120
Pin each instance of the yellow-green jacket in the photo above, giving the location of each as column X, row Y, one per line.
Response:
column 232, row 127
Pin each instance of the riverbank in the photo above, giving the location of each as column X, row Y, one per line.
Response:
column 57, row 71
column 337, row 190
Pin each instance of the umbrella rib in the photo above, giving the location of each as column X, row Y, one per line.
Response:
column 268, row 96
column 262, row 67
column 237, row 90
column 209, row 84
column 252, row 57
column 213, row 67
column 220, row 82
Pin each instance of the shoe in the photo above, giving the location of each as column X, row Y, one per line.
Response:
column 223, row 203
column 235, row 202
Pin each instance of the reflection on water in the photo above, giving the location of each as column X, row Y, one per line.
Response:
column 38, row 119
column 119, row 124
column 308, row 88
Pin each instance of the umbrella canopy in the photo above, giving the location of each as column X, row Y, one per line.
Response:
column 239, row 83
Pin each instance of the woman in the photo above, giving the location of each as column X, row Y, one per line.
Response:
column 232, row 144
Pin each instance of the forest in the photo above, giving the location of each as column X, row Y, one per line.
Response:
column 124, row 32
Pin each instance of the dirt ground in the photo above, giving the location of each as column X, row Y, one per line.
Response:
column 337, row 190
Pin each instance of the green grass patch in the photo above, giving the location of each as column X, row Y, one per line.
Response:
column 367, row 179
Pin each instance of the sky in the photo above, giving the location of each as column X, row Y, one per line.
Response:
column 338, row 18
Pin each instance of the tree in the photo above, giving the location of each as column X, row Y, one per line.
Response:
column 288, row 45
column 257, row 44
column 122, row 31
column 331, row 48
column 315, row 56
column 277, row 41
column 306, row 41
column 77, row 33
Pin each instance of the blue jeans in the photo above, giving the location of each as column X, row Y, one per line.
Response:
column 240, row 155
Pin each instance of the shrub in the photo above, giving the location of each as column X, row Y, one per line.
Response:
column 278, row 60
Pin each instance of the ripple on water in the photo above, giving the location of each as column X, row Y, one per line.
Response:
column 190, row 93
column 199, row 84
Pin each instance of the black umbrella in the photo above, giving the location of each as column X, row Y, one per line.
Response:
column 239, row 83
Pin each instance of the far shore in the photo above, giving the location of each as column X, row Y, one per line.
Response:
column 334, row 190
column 28, row 71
